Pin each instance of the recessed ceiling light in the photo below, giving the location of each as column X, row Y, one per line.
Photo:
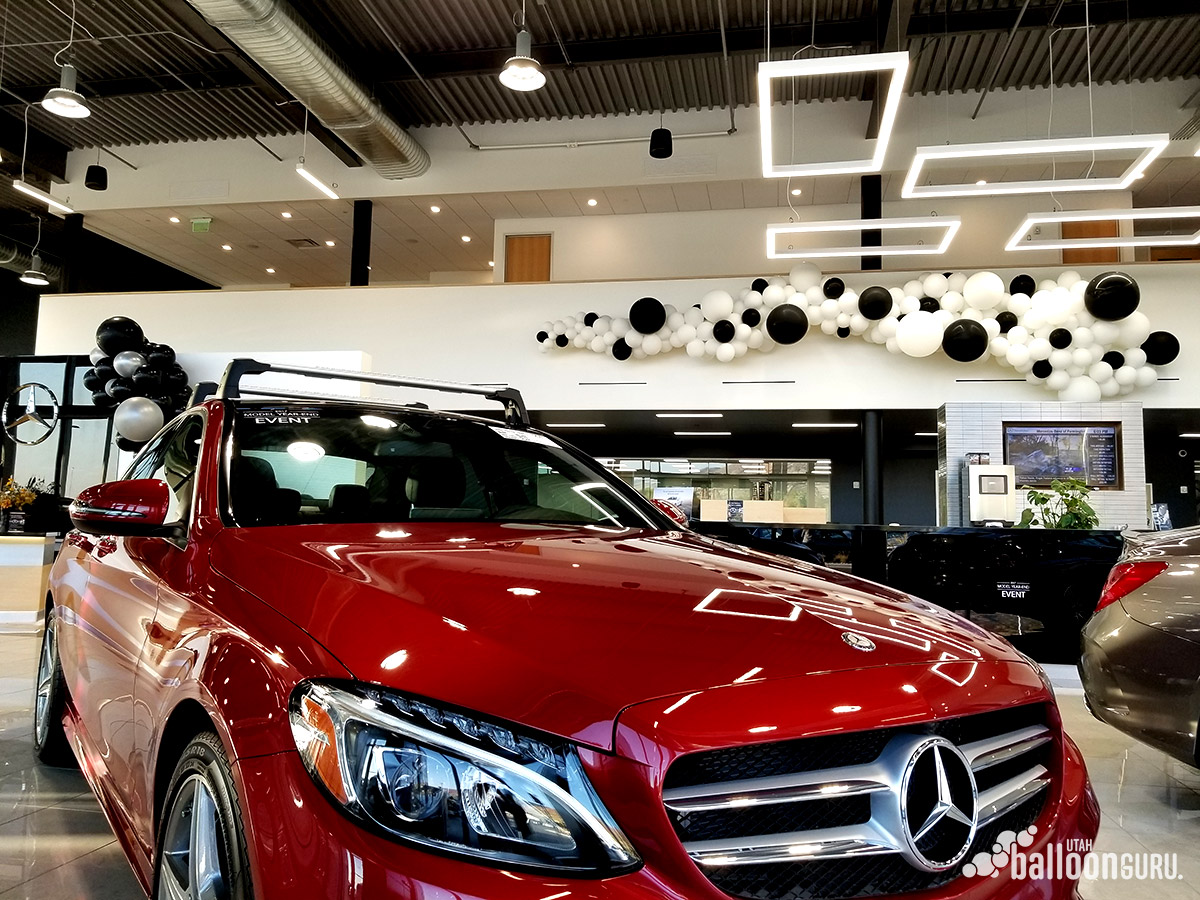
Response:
column 925, row 434
column 492, row 262
column 981, row 182
column 574, row 424
column 703, row 433
column 709, row 415
column 592, row 201
column 174, row 220
column 796, row 192
column 466, row 239
column 435, row 209
column 824, row 424
column 226, row 247
column 270, row 271
column 286, row 215
column 329, row 243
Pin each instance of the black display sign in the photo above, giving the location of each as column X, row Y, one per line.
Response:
column 1043, row 452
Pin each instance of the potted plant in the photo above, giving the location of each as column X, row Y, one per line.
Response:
column 1063, row 505
column 14, row 500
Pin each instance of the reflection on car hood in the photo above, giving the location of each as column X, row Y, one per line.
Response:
column 561, row 628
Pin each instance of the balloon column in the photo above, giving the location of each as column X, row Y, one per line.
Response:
column 1081, row 339
column 139, row 379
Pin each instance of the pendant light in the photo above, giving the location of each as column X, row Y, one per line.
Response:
column 64, row 100
column 660, row 141
column 34, row 274
column 96, row 178
column 522, row 72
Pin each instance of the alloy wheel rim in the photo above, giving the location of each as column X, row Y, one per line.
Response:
column 191, row 864
column 45, row 679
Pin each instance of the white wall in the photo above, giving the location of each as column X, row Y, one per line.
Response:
column 485, row 333
column 712, row 242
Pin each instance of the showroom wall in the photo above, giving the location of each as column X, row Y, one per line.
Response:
column 485, row 334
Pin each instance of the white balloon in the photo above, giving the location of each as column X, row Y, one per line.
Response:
column 620, row 327
column 651, row 343
column 848, row 302
column 935, row 286
column 1019, row 304
column 815, row 296
column 1018, row 355
column 914, row 288
column 739, row 348
column 777, row 281
column 1109, row 388
column 843, row 320
column 829, row 309
column 945, row 317
column 695, row 349
column 1125, row 375
column 887, row 327
column 1085, row 319
column 1100, row 372
column 972, row 313
column 1068, row 278
column 1018, row 335
column 908, row 305
column 1134, row 329
column 804, row 275
column 711, row 346
column 716, row 305
column 560, row 327
column 1079, row 288
column 773, row 295
column 983, row 290
column 753, row 300
column 1057, row 380
column 610, row 338
column 999, row 347
column 1024, row 367
column 1047, row 284
column 675, row 321
column 829, row 326
column 1039, row 348
column 579, row 342
column 1075, row 371
column 957, row 281
column 634, row 338
column 597, row 344
column 1105, row 332
column 952, row 300
column 137, row 419
column 1146, row 376
column 726, row 353
column 1097, row 352
column 693, row 316
column 859, row 324
column 1136, row 357
column 1059, row 307
column 992, row 327
column 686, row 334
column 893, row 345
column 1034, row 320
column 1082, row 337
column 569, row 321
column 639, row 353
column 790, row 291
column 1060, row 359
column 756, row 339
column 919, row 334
column 741, row 332
column 664, row 333
column 814, row 314
column 1080, row 390
column 897, row 294
column 1081, row 357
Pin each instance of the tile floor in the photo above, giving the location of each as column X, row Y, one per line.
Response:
column 56, row 845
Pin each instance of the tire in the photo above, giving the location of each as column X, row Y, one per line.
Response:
column 50, row 744
column 202, row 811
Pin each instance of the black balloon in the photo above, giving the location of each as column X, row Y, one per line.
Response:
column 621, row 350
column 833, row 287
column 647, row 315
column 1042, row 368
column 561, row 340
column 1022, row 284
column 751, row 316
column 160, row 356
column 875, row 302
column 1161, row 348
column 928, row 304
column 147, row 381
column 175, row 377
column 787, row 324
column 104, row 371
column 1111, row 296
column 590, row 319
column 843, row 332
column 124, row 443
column 542, row 337
column 1060, row 339
column 965, row 340
column 101, row 399
column 1114, row 358
column 120, row 389
column 759, row 284
column 92, row 381
column 723, row 331
column 1007, row 321
column 119, row 333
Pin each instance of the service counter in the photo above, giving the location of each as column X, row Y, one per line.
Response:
column 25, row 561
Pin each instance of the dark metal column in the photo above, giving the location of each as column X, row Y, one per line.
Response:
column 871, row 207
column 872, row 437
column 360, row 245
column 73, row 264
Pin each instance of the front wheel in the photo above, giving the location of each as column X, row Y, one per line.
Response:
column 50, row 743
column 202, row 844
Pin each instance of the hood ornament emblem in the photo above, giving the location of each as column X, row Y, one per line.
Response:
column 858, row 642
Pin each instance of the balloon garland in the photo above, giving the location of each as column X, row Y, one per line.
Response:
column 137, row 378
column 1083, row 340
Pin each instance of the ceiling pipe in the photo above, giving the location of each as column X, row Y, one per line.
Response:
column 276, row 38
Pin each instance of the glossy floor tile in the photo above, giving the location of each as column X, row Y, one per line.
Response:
column 56, row 845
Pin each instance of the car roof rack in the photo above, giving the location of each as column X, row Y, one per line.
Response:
column 515, row 412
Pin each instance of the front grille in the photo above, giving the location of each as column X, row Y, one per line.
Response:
column 816, row 818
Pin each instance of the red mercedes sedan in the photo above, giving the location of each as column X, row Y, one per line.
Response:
column 342, row 648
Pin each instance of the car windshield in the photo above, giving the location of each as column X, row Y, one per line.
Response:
column 306, row 464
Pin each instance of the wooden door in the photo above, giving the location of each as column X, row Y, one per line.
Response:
column 1086, row 255
column 526, row 257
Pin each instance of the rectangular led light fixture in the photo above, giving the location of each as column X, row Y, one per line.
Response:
column 689, row 415
column 951, row 224
column 1023, row 239
column 896, row 63
column 316, row 182
column 824, row 424
column 1150, row 145
column 574, row 424
column 703, row 433
column 38, row 194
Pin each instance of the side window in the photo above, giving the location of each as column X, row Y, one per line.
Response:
column 149, row 459
column 176, row 465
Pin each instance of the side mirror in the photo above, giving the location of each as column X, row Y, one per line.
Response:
column 674, row 512
column 135, row 508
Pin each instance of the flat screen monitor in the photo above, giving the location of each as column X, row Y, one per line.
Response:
column 1043, row 452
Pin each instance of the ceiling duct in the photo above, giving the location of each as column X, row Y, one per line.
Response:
column 272, row 34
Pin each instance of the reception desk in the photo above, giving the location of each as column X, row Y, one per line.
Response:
column 24, row 569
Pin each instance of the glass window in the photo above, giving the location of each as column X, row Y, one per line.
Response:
column 351, row 464
column 172, row 457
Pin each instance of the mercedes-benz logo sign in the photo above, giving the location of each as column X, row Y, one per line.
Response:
column 25, row 412
column 858, row 642
column 938, row 805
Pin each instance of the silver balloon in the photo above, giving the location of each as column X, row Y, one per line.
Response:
column 138, row 419
column 127, row 362
column 96, row 355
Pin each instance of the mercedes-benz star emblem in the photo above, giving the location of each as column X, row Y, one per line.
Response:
column 44, row 427
column 938, row 805
column 858, row 642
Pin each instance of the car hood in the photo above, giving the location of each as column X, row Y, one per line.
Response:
column 561, row 628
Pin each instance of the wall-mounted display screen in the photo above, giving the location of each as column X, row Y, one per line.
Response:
column 1044, row 451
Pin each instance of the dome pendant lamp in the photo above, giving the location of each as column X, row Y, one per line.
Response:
column 64, row 100
column 522, row 72
column 660, row 141
column 34, row 274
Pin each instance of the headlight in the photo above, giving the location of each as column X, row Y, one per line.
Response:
column 456, row 783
